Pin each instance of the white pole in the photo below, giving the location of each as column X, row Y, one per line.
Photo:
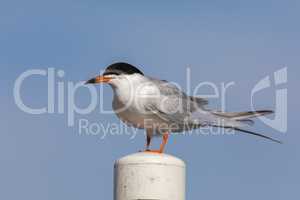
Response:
column 144, row 176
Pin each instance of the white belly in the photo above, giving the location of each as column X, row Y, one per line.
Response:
column 133, row 117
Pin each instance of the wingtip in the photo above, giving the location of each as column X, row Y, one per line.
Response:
column 265, row 111
column 279, row 142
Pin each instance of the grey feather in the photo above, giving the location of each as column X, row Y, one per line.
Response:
column 243, row 115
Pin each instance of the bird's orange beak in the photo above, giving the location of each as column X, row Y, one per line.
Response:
column 98, row 79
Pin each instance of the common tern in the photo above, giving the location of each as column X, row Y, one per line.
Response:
column 161, row 108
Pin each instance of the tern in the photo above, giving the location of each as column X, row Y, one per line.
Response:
column 161, row 108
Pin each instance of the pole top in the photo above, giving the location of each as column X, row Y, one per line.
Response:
column 150, row 158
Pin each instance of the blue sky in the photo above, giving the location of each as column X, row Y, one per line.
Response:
column 221, row 41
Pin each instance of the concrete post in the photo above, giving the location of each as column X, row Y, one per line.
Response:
column 149, row 176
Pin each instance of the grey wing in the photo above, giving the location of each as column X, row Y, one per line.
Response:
column 201, row 102
column 167, row 88
column 173, row 105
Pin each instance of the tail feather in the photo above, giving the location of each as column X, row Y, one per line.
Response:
column 236, row 120
column 251, row 133
column 248, row 122
column 258, row 134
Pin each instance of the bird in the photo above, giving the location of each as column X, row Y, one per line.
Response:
column 161, row 108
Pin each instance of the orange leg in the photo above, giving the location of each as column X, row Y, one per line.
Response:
column 162, row 145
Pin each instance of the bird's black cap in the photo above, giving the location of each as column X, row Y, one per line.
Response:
column 121, row 68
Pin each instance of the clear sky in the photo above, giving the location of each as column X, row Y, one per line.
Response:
column 221, row 41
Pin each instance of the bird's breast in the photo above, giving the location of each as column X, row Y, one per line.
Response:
column 130, row 103
column 128, row 113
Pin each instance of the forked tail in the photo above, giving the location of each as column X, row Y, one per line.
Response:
column 236, row 120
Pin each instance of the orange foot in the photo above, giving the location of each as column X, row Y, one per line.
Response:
column 153, row 151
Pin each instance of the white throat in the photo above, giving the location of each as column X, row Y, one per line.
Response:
column 125, row 86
